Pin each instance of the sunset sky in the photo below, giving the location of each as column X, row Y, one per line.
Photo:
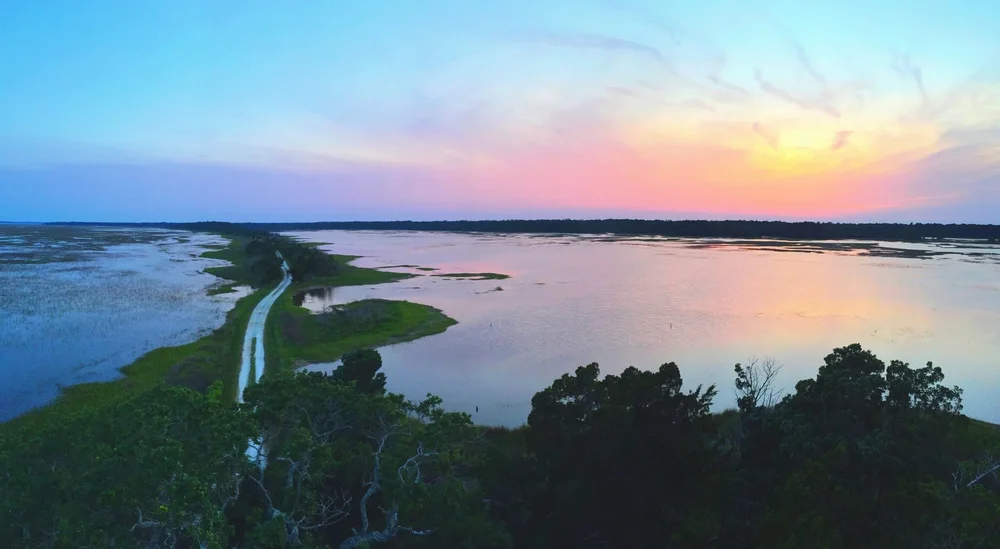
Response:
column 428, row 109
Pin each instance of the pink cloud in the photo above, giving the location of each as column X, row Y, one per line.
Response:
column 840, row 140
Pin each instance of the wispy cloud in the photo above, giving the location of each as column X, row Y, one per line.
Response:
column 840, row 140
column 771, row 139
column 622, row 91
column 695, row 103
column 718, row 81
column 903, row 65
column 808, row 66
column 645, row 15
column 585, row 40
column 812, row 104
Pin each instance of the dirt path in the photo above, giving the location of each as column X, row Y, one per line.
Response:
column 253, row 341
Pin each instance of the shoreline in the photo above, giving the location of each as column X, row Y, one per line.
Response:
column 193, row 364
column 214, row 357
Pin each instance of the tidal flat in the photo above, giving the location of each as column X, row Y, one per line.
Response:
column 78, row 303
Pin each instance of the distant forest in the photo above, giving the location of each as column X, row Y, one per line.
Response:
column 810, row 230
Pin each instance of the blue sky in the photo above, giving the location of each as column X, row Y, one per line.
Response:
column 422, row 109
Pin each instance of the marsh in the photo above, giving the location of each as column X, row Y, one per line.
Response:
column 76, row 304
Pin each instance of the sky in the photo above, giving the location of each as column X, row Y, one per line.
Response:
column 179, row 110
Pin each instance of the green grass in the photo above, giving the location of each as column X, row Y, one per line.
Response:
column 302, row 337
column 474, row 276
column 295, row 337
column 234, row 253
column 351, row 275
column 417, row 267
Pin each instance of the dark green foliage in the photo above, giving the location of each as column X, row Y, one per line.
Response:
column 860, row 456
column 168, row 467
column 348, row 468
column 305, row 262
column 625, row 460
column 876, row 444
column 362, row 368
column 154, row 469
column 863, row 455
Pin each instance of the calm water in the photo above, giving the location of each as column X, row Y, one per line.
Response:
column 575, row 300
column 80, row 320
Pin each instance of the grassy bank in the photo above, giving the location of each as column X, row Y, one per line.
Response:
column 296, row 337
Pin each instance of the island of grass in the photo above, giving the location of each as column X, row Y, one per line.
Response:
column 299, row 337
column 304, row 338
column 348, row 275
column 223, row 289
column 473, row 276
column 417, row 267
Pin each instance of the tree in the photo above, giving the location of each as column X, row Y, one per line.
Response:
column 755, row 384
column 626, row 460
column 350, row 468
column 157, row 469
column 875, row 441
column 920, row 389
column 362, row 368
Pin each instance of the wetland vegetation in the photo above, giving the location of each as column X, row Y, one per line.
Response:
column 40, row 244
column 864, row 454
column 306, row 338
column 861, row 454
column 216, row 356
column 473, row 276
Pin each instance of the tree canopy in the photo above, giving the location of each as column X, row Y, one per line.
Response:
column 864, row 454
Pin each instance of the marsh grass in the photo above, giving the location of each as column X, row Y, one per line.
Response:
column 41, row 244
column 473, row 276
column 300, row 337
column 351, row 275
column 224, row 289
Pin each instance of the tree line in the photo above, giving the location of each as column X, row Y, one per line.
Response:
column 865, row 454
column 810, row 230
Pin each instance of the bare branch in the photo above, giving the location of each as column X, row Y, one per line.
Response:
column 990, row 468
column 374, row 485
column 755, row 384
column 414, row 462
column 391, row 530
column 144, row 523
column 272, row 511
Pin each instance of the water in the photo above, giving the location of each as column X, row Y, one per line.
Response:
column 705, row 305
column 67, row 320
